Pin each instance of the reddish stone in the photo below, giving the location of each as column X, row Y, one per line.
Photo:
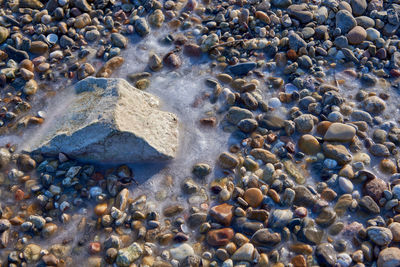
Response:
column 172, row 60
column 222, row 213
column 97, row 176
column 395, row 72
column 50, row 260
column 291, row 54
column 300, row 212
column 19, row 194
column 374, row 188
column 220, row 237
column 94, row 247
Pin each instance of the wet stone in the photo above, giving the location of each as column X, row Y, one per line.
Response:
column 304, row 197
column 340, row 132
column 271, row 122
column 337, row 152
column 389, row 257
column 379, row 150
column 242, row 68
column 343, row 204
column 325, row 254
column 201, row 170
column 253, row 196
column 326, row 217
column 280, row 218
column 309, row 144
column 265, row 238
column 196, row 219
column 369, row 205
column 236, row 114
column 374, row 188
column 222, row 213
column 219, row 237
column 379, row 235
column 228, row 160
column 172, row 210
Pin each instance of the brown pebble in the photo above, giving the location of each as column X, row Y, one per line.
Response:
column 299, row 261
column 100, row 209
column 219, row 237
column 27, row 64
column 253, row 197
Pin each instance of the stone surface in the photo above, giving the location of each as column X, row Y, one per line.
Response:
column 340, row 132
column 395, row 229
column 369, row 205
column 337, row 152
column 345, row 21
column 244, row 253
column 220, row 237
column 374, row 188
column 389, row 257
column 379, row 235
column 111, row 121
column 222, row 213
column 265, row 238
column 309, row 144
column 253, row 197
column 128, row 255
column 181, row 251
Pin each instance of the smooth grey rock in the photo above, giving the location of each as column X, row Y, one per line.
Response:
column 358, row 6
column 379, row 235
column 108, row 120
column 345, row 21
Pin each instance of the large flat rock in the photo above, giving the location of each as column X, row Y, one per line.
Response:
column 111, row 121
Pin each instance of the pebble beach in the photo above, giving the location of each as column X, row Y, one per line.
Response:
column 200, row 133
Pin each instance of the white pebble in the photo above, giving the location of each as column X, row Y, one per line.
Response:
column 274, row 102
column 345, row 185
column 52, row 38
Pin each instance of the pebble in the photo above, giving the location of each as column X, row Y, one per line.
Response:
column 242, row 68
column 244, row 253
column 253, row 197
column 265, row 238
column 379, row 235
column 32, row 253
column 181, row 251
column 345, row 21
column 228, row 160
column 345, row 185
column 222, row 213
column 280, row 218
column 220, row 237
column 325, row 254
column 30, row 87
column 357, row 35
column 340, row 132
column 141, row 27
column 4, row 33
column 389, row 257
column 128, row 255
column 369, row 205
